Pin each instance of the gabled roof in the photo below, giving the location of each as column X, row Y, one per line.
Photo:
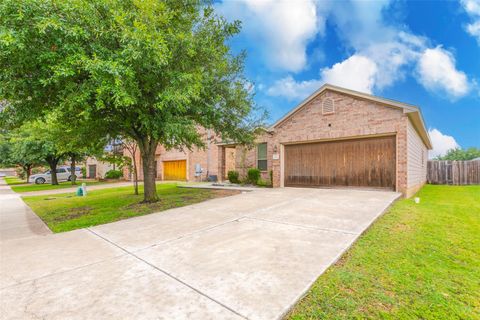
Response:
column 413, row 112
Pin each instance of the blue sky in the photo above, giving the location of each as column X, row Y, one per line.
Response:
column 425, row 53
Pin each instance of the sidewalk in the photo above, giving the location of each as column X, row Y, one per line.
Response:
column 16, row 219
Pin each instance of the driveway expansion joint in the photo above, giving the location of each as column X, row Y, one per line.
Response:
column 303, row 226
column 170, row 275
column 186, row 235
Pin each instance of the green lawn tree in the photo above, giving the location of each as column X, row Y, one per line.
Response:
column 152, row 71
column 131, row 147
column 17, row 150
column 24, row 152
column 44, row 135
column 77, row 142
column 52, row 141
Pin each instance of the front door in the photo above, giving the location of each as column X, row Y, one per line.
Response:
column 92, row 171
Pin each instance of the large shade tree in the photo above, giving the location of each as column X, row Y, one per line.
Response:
column 152, row 71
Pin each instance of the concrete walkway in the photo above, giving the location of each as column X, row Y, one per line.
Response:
column 16, row 219
column 249, row 256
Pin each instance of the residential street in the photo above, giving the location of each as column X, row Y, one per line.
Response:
column 249, row 256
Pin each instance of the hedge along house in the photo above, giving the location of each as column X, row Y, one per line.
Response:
column 340, row 138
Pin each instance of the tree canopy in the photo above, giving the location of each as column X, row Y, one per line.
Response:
column 153, row 71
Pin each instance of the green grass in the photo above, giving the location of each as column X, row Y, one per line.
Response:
column 418, row 261
column 65, row 212
column 47, row 186
column 14, row 180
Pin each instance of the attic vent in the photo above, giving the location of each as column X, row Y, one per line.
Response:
column 328, row 106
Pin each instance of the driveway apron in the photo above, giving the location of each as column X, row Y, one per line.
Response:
column 249, row 256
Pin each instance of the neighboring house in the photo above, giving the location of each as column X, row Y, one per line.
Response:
column 8, row 172
column 334, row 138
column 183, row 165
column 96, row 169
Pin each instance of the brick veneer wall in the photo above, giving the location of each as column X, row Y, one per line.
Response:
column 353, row 117
column 197, row 155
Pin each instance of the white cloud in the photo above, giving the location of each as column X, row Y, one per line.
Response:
column 356, row 73
column 382, row 52
column 474, row 29
column 472, row 7
column 441, row 143
column 364, row 29
column 437, row 71
column 292, row 90
column 284, row 28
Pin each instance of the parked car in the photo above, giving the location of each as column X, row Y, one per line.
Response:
column 78, row 171
column 63, row 174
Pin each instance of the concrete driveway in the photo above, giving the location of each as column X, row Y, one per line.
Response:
column 249, row 256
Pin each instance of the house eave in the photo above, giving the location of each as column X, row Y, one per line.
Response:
column 413, row 112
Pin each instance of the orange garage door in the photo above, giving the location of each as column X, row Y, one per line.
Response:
column 175, row 170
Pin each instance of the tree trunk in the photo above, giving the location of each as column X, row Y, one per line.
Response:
column 147, row 151
column 52, row 162
column 135, row 176
column 28, row 170
column 73, row 172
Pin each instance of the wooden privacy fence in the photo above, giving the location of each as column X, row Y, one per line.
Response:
column 453, row 172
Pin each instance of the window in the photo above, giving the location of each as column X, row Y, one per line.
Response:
column 262, row 156
column 61, row 170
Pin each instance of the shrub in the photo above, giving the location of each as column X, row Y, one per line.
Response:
column 84, row 172
column 263, row 183
column 253, row 175
column 113, row 174
column 233, row 176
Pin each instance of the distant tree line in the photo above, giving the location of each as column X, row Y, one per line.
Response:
column 460, row 154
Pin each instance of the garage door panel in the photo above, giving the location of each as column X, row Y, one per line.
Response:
column 175, row 170
column 361, row 162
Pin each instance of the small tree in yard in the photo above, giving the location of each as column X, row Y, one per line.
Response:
column 16, row 150
column 45, row 135
column 152, row 71
column 78, row 142
column 132, row 149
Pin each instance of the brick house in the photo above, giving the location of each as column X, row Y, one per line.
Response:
column 183, row 165
column 334, row 138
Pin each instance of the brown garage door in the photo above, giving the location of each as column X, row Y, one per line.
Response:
column 360, row 162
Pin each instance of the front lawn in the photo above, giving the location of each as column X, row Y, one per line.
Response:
column 66, row 212
column 14, row 180
column 48, row 186
column 418, row 261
